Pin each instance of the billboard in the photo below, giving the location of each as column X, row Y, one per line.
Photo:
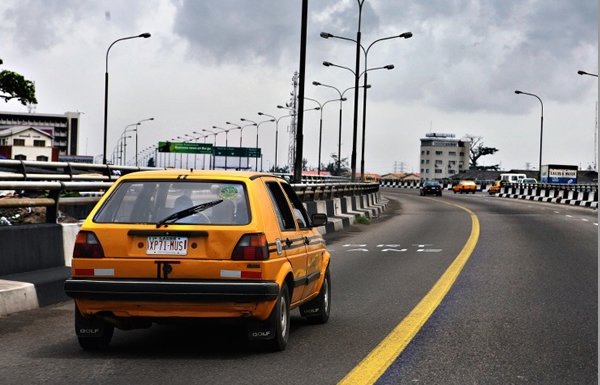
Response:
column 559, row 173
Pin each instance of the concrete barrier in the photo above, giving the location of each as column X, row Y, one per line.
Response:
column 33, row 272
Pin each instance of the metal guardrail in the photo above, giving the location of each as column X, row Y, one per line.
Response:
column 29, row 180
column 484, row 184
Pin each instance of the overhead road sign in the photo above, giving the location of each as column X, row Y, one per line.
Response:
column 185, row 147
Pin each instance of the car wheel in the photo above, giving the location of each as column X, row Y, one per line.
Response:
column 279, row 321
column 317, row 310
column 92, row 332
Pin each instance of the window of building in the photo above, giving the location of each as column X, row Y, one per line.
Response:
column 452, row 153
column 427, row 161
column 438, row 171
column 427, row 152
column 21, row 157
column 451, row 172
column 3, row 141
column 39, row 143
column 462, row 154
column 438, row 161
column 438, row 153
column 42, row 158
column 18, row 142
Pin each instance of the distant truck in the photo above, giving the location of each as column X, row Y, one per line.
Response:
column 512, row 177
column 559, row 173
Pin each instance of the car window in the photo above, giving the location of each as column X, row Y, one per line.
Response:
column 281, row 206
column 152, row 201
column 300, row 213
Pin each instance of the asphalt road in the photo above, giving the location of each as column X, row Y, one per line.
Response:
column 523, row 310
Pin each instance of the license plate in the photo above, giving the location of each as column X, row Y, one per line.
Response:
column 167, row 245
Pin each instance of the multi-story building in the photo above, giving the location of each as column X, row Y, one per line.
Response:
column 62, row 129
column 443, row 156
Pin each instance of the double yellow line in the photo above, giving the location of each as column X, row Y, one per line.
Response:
column 379, row 359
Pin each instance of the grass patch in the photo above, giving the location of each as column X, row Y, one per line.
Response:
column 362, row 220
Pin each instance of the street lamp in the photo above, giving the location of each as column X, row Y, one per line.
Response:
column 136, row 138
column 586, row 73
column 357, row 69
column 321, row 107
column 325, row 35
column 292, row 113
column 541, row 127
column 341, row 99
column 257, row 127
column 226, row 131
column 276, row 120
column 145, row 36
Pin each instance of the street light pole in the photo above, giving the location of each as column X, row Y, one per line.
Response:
column 321, row 107
column 226, row 144
column 273, row 119
column 541, row 128
column 136, row 138
column 145, row 36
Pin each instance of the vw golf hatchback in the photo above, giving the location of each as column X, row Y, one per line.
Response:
column 167, row 245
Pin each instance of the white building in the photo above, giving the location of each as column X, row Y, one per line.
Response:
column 443, row 156
column 25, row 143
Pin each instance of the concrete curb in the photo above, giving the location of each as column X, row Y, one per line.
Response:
column 34, row 289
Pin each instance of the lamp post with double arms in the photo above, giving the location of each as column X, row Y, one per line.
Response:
column 321, row 107
column 273, row 119
column 212, row 167
column 137, row 126
column 325, row 35
column 226, row 131
column 541, row 128
column 341, row 99
column 143, row 35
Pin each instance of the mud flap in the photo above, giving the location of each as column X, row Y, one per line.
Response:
column 260, row 330
column 91, row 327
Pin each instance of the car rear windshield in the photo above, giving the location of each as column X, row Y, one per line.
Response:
column 149, row 202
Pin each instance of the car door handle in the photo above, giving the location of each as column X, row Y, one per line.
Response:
column 288, row 242
column 306, row 241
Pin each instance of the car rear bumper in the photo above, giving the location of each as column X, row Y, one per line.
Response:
column 170, row 290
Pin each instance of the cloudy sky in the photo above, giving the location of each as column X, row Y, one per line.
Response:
column 212, row 61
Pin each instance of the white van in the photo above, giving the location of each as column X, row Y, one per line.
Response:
column 512, row 178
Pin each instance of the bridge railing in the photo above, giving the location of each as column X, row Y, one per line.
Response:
column 55, row 184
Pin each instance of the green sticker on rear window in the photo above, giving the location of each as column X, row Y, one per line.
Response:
column 228, row 193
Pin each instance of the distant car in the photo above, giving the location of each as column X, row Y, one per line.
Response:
column 431, row 187
column 495, row 188
column 527, row 181
column 465, row 186
column 163, row 246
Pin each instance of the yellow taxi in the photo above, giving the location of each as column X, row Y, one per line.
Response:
column 165, row 245
column 465, row 186
column 495, row 188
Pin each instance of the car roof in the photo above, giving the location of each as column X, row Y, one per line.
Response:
column 183, row 174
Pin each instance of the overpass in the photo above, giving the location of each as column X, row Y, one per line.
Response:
column 35, row 258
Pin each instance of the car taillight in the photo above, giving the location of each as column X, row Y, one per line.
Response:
column 251, row 247
column 87, row 246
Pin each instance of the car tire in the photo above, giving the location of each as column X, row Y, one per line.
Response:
column 317, row 310
column 100, row 339
column 279, row 320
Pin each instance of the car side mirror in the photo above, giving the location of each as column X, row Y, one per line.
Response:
column 318, row 219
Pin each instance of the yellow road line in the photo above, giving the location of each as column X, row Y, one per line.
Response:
column 379, row 359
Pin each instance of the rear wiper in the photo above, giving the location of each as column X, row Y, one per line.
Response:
column 187, row 212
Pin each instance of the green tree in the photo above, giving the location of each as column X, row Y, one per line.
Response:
column 15, row 86
column 478, row 150
column 332, row 167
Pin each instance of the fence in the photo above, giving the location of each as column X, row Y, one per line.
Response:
column 48, row 184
